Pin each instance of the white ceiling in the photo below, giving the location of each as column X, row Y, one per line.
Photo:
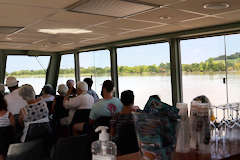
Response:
column 137, row 20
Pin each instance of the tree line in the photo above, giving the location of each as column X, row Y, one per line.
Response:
column 211, row 65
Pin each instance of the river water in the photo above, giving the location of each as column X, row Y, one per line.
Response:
column 194, row 85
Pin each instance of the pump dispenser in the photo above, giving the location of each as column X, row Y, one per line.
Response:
column 103, row 149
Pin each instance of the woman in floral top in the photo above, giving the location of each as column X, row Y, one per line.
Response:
column 35, row 112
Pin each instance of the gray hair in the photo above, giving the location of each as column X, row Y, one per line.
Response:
column 82, row 86
column 62, row 89
column 27, row 92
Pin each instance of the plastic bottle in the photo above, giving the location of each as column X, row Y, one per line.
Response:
column 103, row 149
column 183, row 131
column 200, row 127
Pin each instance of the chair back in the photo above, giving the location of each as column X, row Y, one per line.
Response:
column 73, row 148
column 34, row 150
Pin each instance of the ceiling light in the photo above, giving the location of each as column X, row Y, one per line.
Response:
column 64, row 31
column 165, row 18
column 216, row 5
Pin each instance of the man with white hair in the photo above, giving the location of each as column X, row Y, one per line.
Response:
column 79, row 106
column 14, row 101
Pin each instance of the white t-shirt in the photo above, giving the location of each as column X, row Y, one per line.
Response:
column 83, row 101
column 15, row 102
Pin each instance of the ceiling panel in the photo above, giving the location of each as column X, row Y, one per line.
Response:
column 165, row 15
column 19, row 16
column 112, row 8
column 197, row 6
column 163, row 2
column 166, row 29
column 41, row 3
column 80, row 19
column 231, row 16
column 129, row 24
column 204, row 22
column 106, row 31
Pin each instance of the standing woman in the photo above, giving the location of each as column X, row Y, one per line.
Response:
column 7, row 128
column 79, row 106
column 35, row 112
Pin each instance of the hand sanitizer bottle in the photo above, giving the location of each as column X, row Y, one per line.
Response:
column 103, row 149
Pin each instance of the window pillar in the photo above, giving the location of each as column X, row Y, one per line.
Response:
column 176, row 71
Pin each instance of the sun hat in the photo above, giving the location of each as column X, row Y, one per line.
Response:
column 11, row 81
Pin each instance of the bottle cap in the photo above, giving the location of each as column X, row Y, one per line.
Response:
column 103, row 136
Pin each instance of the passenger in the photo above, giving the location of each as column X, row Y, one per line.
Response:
column 7, row 124
column 2, row 90
column 35, row 112
column 122, row 127
column 79, row 106
column 47, row 95
column 60, row 113
column 107, row 106
column 14, row 101
column 89, row 81
column 70, row 85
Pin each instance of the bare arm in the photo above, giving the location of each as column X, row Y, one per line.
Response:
column 21, row 117
column 12, row 120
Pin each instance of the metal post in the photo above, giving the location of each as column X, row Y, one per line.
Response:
column 53, row 70
column 176, row 71
column 114, row 69
column 3, row 60
column 77, row 66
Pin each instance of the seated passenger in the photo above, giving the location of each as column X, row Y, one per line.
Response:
column 122, row 129
column 70, row 85
column 107, row 106
column 47, row 95
column 89, row 81
column 59, row 112
column 14, row 101
column 7, row 124
column 79, row 106
column 35, row 111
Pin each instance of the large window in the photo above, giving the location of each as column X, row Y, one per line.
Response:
column 146, row 71
column 28, row 70
column 66, row 69
column 203, row 68
column 95, row 65
column 233, row 65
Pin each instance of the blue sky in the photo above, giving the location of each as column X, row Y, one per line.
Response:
column 193, row 51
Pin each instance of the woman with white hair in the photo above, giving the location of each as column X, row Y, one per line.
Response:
column 35, row 112
column 79, row 106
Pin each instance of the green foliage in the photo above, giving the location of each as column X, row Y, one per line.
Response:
column 211, row 65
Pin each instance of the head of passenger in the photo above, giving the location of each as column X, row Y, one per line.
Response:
column 48, row 89
column 3, row 103
column 2, row 89
column 12, row 83
column 107, row 89
column 89, row 81
column 62, row 90
column 127, row 98
column 82, row 87
column 70, row 83
column 27, row 93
